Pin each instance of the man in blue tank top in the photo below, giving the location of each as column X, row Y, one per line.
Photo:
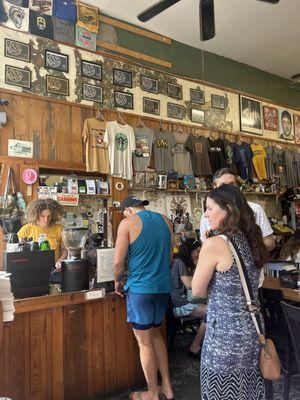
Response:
column 145, row 240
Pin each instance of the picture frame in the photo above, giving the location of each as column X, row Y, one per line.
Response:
column 174, row 90
column 173, row 184
column 92, row 93
column 297, row 128
column 17, row 76
column 175, row 111
column 122, row 78
column 151, row 106
column 270, row 116
column 151, row 180
column 123, row 100
column 91, row 70
column 139, row 179
column 286, row 125
column 197, row 116
column 150, row 85
column 197, row 96
column 217, row 101
column 56, row 61
column 57, row 85
column 250, row 115
column 17, row 50
column 162, row 181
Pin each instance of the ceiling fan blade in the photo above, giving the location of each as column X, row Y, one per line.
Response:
column 207, row 19
column 156, row 9
column 271, row 1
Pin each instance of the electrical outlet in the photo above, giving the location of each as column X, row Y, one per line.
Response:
column 95, row 294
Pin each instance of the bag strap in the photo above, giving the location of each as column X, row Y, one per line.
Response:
column 251, row 303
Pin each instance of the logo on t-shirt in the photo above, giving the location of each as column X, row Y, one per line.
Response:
column 162, row 144
column 198, row 147
column 121, row 142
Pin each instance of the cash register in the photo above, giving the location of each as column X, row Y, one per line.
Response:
column 30, row 272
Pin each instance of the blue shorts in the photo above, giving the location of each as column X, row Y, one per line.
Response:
column 145, row 311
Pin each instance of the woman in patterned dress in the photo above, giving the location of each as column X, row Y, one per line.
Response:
column 230, row 354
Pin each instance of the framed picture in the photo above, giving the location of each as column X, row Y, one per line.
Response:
column 286, row 128
column 197, row 116
column 297, row 128
column 149, row 84
column 123, row 100
column 56, row 61
column 197, row 96
column 162, row 181
column 91, row 70
column 17, row 76
column 218, row 101
column 139, row 179
column 122, row 78
column 151, row 180
column 173, row 184
column 174, row 91
column 92, row 93
column 250, row 115
column 17, row 50
column 174, row 111
column 270, row 118
column 151, row 106
column 57, row 85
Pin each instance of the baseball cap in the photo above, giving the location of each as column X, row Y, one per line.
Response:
column 133, row 201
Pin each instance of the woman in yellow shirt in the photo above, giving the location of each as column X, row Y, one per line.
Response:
column 43, row 217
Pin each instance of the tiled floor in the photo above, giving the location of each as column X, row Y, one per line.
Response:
column 185, row 374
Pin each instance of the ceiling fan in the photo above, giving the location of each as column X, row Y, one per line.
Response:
column 206, row 13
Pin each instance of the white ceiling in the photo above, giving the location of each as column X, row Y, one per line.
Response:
column 262, row 35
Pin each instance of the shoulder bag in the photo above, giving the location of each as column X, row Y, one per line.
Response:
column 269, row 363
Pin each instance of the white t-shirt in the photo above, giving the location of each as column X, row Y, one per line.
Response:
column 261, row 220
column 121, row 140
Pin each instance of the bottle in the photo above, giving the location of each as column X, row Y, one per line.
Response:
column 45, row 245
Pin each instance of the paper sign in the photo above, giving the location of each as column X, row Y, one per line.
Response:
column 105, row 265
column 20, row 148
column 67, row 199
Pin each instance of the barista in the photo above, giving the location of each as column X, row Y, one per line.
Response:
column 43, row 217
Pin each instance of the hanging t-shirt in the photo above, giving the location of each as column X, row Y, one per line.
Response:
column 96, row 148
column 198, row 147
column 259, row 160
column 144, row 138
column 15, row 17
column 280, row 165
column 121, row 140
column 229, row 156
column 291, row 172
column 66, row 10
column 40, row 24
column 182, row 157
column 217, row 154
column 270, row 162
column 242, row 155
column 164, row 151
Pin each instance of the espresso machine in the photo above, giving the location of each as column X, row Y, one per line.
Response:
column 75, row 270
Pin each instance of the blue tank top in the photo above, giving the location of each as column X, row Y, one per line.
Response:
column 149, row 256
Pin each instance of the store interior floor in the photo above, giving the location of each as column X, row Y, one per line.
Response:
column 185, row 374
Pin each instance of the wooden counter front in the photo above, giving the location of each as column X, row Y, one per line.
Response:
column 63, row 347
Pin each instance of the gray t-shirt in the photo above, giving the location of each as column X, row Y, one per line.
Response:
column 164, row 151
column 144, row 138
column 178, row 290
column 182, row 158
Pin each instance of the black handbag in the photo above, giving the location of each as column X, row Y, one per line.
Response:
column 10, row 220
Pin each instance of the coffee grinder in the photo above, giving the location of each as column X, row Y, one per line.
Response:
column 75, row 270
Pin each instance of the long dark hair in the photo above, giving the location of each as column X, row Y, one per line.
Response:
column 291, row 248
column 240, row 218
column 188, row 245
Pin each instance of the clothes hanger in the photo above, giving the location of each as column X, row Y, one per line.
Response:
column 99, row 115
column 161, row 125
column 141, row 123
column 179, row 128
column 239, row 140
column 120, row 119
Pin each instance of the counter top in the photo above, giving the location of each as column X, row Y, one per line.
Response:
column 288, row 294
column 53, row 301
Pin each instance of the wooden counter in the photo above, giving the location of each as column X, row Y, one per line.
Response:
column 288, row 294
column 63, row 347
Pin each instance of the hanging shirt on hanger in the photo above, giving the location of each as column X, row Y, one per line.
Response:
column 259, row 161
column 182, row 157
column 199, row 148
column 144, row 138
column 96, row 151
column 270, row 162
column 229, row 155
column 121, row 140
column 291, row 172
column 164, row 151
column 242, row 155
column 279, row 165
column 217, row 154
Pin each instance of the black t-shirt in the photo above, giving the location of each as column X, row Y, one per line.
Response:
column 217, row 154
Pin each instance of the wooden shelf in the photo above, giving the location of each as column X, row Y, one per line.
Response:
column 104, row 196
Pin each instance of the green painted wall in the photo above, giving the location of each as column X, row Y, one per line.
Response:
column 187, row 61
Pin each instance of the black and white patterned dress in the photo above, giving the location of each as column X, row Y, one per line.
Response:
column 230, row 354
